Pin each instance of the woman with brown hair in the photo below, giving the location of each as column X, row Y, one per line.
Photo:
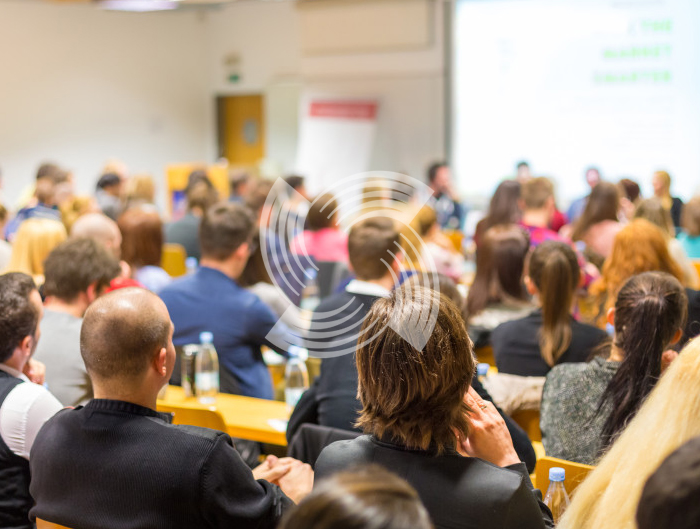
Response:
column 498, row 293
column 639, row 247
column 503, row 209
column 142, row 247
column 425, row 422
column 550, row 335
column 367, row 497
column 599, row 223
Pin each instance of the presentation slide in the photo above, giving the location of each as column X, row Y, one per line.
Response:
column 566, row 84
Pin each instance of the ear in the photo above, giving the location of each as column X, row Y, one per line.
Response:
column 610, row 316
column 677, row 337
column 26, row 345
column 160, row 362
column 92, row 293
column 530, row 286
column 242, row 251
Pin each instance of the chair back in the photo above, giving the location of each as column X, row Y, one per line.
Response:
column 575, row 473
column 696, row 263
column 173, row 259
column 43, row 524
column 194, row 416
column 529, row 420
column 310, row 440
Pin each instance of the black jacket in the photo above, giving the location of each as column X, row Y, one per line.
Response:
column 458, row 492
column 116, row 465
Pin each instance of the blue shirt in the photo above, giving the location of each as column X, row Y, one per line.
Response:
column 208, row 300
column 691, row 245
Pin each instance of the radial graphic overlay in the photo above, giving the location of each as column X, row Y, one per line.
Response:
column 360, row 197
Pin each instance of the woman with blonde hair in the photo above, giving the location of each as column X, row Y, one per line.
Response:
column 652, row 210
column 33, row 243
column 639, row 247
column 667, row 419
column 662, row 190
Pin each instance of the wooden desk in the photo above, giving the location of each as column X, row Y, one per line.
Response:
column 245, row 417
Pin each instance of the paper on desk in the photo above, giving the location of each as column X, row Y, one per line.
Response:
column 278, row 424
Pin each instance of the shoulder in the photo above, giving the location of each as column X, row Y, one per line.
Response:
column 584, row 330
column 343, row 454
column 518, row 325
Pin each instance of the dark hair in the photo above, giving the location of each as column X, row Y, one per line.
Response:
column 294, row 181
column 224, row 228
column 433, row 170
column 48, row 170
column 553, row 268
column 650, row 308
column 18, row 315
column 142, row 237
column 415, row 397
column 522, row 164
column 236, row 180
column 500, row 261
column 201, row 195
column 669, row 499
column 322, row 212
column 197, row 176
column 108, row 180
column 504, row 208
column 3, row 213
column 121, row 332
column 370, row 242
column 602, row 204
column 630, row 188
column 363, row 498
column 257, row 196
column 76, row 264
column 255, row 271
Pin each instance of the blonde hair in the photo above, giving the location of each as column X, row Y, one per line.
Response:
column 690, row 218
column 668, row 418
column 75, row 208
column 412, row 237
column 140, row 189
column 33, row 243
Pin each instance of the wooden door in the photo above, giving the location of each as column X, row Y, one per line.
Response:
column 242, row 129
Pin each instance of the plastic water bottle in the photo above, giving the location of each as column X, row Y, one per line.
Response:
column 296, row 376
column 191, row 265
column 206, row 378
column 556, row 498
column 309, row 296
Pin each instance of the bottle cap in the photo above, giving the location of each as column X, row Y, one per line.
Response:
column 206, row 337
column 556, row 474
column 482, row 369
column 191, row 263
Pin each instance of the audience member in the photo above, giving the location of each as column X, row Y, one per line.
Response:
column 639, row 247
column 578, row 206
column 690, row 221
column 185, row 231
column 537, row 204
column 109, row 194
column 662, row 190
column 77, row 272
column 367, row 497
column 630, row 195
column 33, row 243
column 75, row 207
column 422, row 418
column 323, row 240
column 504, row 208
column 669, row 417
column 373, row 247
column 653, row 211
column 585, row 407
column 498, row 293
column 669, row 499
column 239, row 183
column 42, row 207
column 140, row 191
column 101, row 228
column 550, row 335
column 426, row 248
column 523, row 172
column 212, row 300
column 24, row 406
column 5, row 247
column 598, row 223
column 120, row 452
column 444, row 200
column 142, row 247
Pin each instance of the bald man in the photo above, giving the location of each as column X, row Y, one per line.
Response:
column 101, row 228
column 118, row 463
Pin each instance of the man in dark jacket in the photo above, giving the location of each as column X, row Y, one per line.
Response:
column 118, row 463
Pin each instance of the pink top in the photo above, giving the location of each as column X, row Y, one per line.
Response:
column 327, row 244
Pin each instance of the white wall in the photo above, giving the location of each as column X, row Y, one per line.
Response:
column 80, row 85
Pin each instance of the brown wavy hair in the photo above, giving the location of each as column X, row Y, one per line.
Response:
column 415, row 398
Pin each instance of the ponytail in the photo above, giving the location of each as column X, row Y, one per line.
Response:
column 649, row 310
column 554, row 269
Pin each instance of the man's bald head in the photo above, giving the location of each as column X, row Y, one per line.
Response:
column 122, row 332
column 100, row 228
